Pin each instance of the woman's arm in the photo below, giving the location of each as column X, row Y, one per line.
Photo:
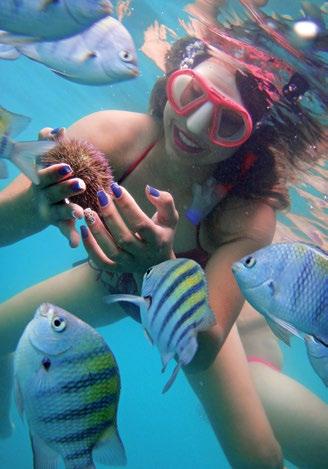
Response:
column 219, row 373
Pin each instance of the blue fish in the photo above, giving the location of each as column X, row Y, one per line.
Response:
column 48, row 20
column 22, row 154
column 67, row 384
column 288, row 284
column 174, row 308
column 103, row 54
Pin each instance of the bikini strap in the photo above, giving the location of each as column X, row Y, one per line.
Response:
column 136, row 163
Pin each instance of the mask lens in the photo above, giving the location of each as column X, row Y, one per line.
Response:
column 186, row 90
column 231, row 125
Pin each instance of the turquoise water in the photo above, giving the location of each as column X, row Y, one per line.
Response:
column 166, row 432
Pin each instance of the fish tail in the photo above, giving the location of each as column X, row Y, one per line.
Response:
column 24, row 155
column 172, row 378
column 187, row 349
column 110, row 450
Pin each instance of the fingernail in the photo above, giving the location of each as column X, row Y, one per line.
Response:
column 103, row 198
column 78, row 185
column 65, row 169
column 89, row 216
column 116, row 189
column 76, row 215
column 56, row 130
column 152, row 191
column 84, row 232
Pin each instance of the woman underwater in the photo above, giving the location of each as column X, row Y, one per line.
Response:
column 208, row 119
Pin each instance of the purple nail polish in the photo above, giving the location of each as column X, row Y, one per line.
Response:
column 84, row 232
column 56, row 130
column 152, row 191
column 77, row 185
column 103, row 199
column 63, row 170
column 116, row 189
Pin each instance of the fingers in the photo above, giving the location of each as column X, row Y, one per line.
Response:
column 59, row 192
column 54, row 173
column 100, row 235
column 123, row 232
column 166, row 215
column 48, row 133
column 95, row 253
column 70, row 232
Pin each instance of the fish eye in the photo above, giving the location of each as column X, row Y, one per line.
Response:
column 250, row 262
column 125, row 55
column 58, row 323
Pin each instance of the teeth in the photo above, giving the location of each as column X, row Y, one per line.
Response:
column 187, row 141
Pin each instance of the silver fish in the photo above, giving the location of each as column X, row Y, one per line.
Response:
column 48, row 20
column 21, row 154
column 103, row 54
column 68, row 385
column 174, row 308
column 288, row 284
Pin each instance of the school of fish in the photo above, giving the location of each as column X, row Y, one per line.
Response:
column 173, row 309
column 67, row 384
column 288, row 284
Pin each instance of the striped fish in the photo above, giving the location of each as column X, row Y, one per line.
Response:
column 67, row 383
column 173, row 307
column 288, row 284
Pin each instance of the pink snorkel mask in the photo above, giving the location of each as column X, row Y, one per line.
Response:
column 191, row 95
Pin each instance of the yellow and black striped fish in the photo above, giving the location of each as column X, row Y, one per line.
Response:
column 68, row 385
column 173, row 307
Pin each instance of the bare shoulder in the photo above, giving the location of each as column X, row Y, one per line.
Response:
column 238, row 218
column 115, row 131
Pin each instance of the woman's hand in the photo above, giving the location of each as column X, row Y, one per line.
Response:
column 51, row 195
column 127, row 240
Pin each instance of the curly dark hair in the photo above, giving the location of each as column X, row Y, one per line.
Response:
column 284, row 140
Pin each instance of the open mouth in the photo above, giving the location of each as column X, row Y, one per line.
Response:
column 184, row 142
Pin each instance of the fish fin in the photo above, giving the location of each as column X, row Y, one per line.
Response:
column 148, row 336
column 14, row 123
column 135, row 299
column 166, row 357
column 172, row 378
column 84, row 56
column 278, row 331
column 3, row 170
column 79, row 79
column 110, row 449
column 43, row 456
column 18, row 398
column 16, row 39
column 188, row 349
column 282, row 329
column 8, row 52
column 24, row 155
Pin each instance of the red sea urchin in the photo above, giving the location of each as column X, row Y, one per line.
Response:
column 88, row 163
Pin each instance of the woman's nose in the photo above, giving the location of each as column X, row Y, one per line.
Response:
column 199, row 120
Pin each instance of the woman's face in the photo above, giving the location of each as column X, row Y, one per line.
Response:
column 187, row 136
